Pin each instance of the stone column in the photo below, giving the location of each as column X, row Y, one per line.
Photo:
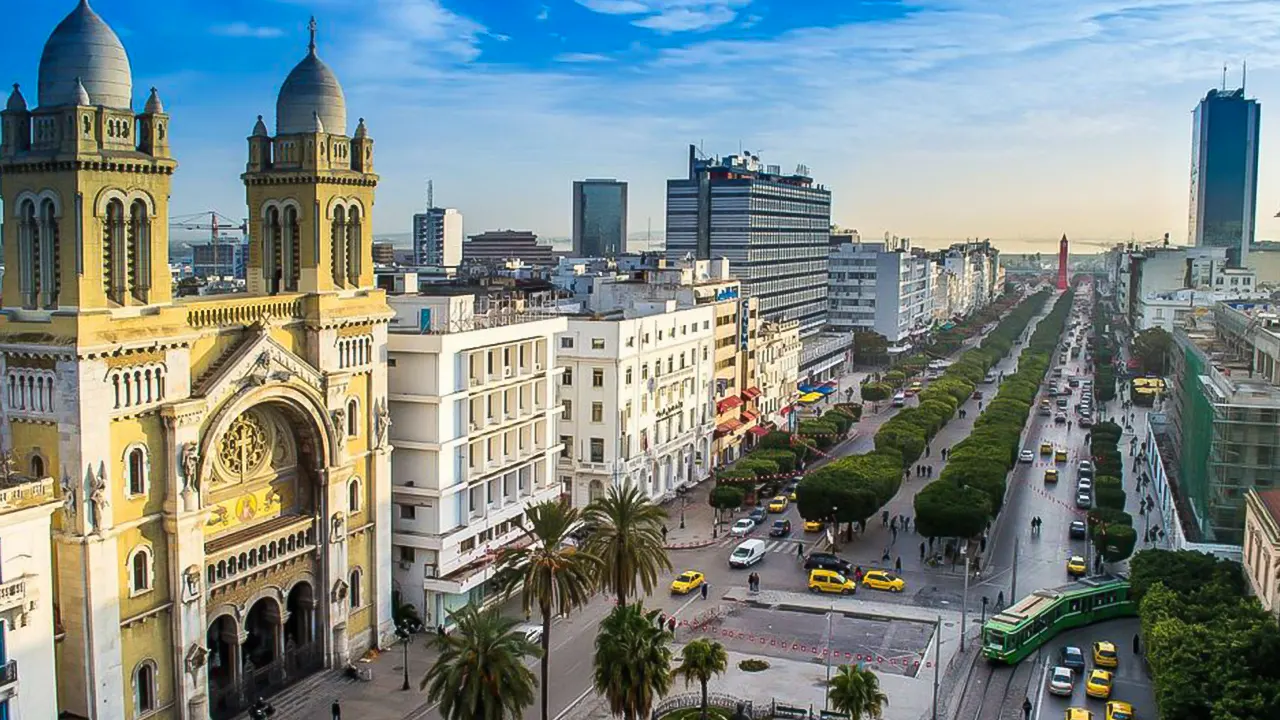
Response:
column 179, row 462
column 333, row 554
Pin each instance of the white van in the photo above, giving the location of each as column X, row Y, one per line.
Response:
column 899, row 399
column 748, row 553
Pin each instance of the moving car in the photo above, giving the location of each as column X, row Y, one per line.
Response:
column 883, row 580
column 830, row 581
column 743, row 527
column 1086, row 420
column 1062, row 681
column 1077, row 713
column 758, row 515
column 899, row 399
column 1099, row 685
column 1051, row 475
column 1119, row 710
column 1027, row 456
column 781, row 528
column 915, row 387
column 1060, row 455
column 1062, row 403
column 1060, row 419
column 1071, row 657
column 687, row 582
column 989, row 377
column 1046, row 448
column 827, row 561
column 1104, row 655
column 748, row 553
column 531, row 632
column 1078, row 530
column 1084, row 500
column 778, row 504
column 1076, row 566
column 813, row 526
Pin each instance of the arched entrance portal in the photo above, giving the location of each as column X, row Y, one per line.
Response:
column 266, row 461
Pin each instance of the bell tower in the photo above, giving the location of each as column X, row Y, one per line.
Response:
column 86, row 182
column 310, row 189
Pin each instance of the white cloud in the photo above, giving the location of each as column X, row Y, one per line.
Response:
column 543, row 13
column 245, row 30
column 671, row 16
column 581, row 57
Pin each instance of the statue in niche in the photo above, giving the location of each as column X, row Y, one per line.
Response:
column 8, row 467
column 383, row 420
column 340, row 590
column 68, row 496
column 339, row 417
column 338, row 520
column 195, row 658
column 99, row 499
column 191, row 466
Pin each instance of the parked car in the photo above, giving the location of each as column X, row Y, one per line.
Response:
column 827, row 561
column 1077, row 530
column 743, row 527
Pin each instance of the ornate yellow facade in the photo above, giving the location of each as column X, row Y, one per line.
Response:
column 222, row 461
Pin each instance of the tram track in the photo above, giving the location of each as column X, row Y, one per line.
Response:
column 985, row 690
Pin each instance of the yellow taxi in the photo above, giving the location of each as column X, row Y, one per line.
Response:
column 1099, row 685
column 1076, row 566
column 1046, row 448
column 1051, row 475
column 778, row 504
column 915, row 388
column 883, row 580
column 791, row 496
column 1104, row 654
column 1060, row 456
column 813, row 526
column 1119, row 710
column 1078, row 714
column 687, row 581
column 830, row 581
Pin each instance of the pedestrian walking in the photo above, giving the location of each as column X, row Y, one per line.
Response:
column 897, row 564
column 857, row 574
column 664, row 534
column 1137, row 649
column 671, row 624
column 885, row 558
column 895, row 533
column 922, row 551
column 662, row 619
column 999, row 600
column 336, row 710
column 893, row 523
column 930, row 471
column 800, row 551
column 706, row 588
column 927, row 450
column 884, row 518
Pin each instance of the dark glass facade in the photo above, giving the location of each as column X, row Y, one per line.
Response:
column 599, row 218
column 1224, row 173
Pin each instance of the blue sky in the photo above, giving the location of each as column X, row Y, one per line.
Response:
column 936, row 119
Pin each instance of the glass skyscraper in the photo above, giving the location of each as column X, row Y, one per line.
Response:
column 599, row 218
column 1224, row 173
column 774, row 228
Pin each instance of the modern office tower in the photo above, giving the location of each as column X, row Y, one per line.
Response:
column 437, row 237
column 774, row 228
column 599, row 218
column 1224, row 172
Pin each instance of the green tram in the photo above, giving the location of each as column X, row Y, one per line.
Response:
column 1020, row 629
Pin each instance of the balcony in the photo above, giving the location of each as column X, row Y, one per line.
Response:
column 8, row 674
column 242, row 554
column 220, row 310
column 25, row 493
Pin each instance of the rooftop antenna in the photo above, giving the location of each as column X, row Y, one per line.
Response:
column 1244, row 74
column 431, row 195
column 1224, row 77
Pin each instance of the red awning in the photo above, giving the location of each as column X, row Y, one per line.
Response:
column 751, row 393
column 759, row 431
column 786, row 410
column 748, row 416
column 727, row 427
column 728, row 403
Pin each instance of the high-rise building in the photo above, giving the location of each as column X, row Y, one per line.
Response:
column 437, row 237
column 499, row 246
column 1224, row 172
column 773, row 227
column 599, row 218
column 884, row 287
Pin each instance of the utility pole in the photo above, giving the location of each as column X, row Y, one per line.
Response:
column 826, row 691
column 964, row 603
column 1013, row 591
column 937, row 661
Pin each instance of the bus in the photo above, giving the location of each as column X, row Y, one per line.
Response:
column 1020, row 629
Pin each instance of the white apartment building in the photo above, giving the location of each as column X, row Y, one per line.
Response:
column 637, row 394
column 881, row 287
column 474, row 411
column 437, row 237
column 778, row 352
column 28, row 681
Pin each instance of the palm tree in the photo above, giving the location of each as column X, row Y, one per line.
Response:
column 633, row 660
column 481, row 672
column 700, row 661
column 856, row 692
column 627, row 540
column 548, row 572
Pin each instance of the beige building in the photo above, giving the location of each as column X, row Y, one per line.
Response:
column 1262, row 546
column 222, row 461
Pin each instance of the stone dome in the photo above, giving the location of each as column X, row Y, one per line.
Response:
column 84, row 50
column 311, row 90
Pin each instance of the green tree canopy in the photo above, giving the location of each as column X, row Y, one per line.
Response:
column 727, row 497
column 1151, row 348
column 944, row 509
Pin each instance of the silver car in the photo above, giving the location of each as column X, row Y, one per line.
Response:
column 1084, row 500
column 1062, row 681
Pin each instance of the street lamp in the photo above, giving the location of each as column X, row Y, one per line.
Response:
column 985, row 600
column 406, row 628
column 684, row 501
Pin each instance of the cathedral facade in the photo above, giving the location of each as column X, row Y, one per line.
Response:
column 222, row 462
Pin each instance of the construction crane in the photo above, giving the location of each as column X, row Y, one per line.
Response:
column 215, row 222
